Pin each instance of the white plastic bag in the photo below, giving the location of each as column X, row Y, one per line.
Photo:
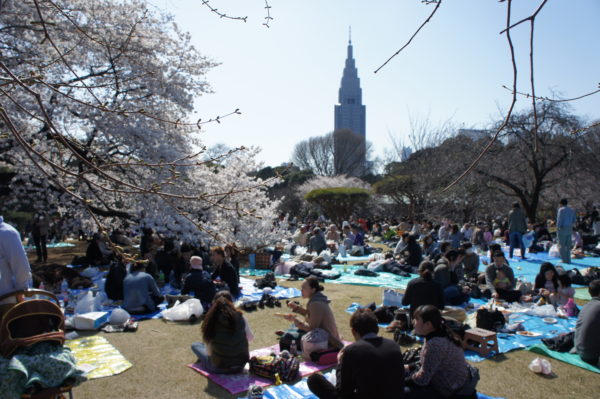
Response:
column 314, row 341
column 554, row 251
column 542, row 311
column 183, row 311
column 392, row 298
column 540, row 366
column 85, row 304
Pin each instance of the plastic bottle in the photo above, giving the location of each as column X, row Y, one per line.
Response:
column 293, row 348
column 64, row 291
column 278, row 379
column 570, row 307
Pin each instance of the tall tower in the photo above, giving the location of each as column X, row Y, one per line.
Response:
column 350, row 115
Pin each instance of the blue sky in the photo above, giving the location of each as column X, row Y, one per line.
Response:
column 285, row 78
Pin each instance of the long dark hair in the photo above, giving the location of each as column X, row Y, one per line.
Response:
column 432, row 314
column 426, row 270
column 222, row 309
column 540, row 279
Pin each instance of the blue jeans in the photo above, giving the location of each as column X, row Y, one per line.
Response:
column 203, row 357
column 565, row 243
column 516, row 239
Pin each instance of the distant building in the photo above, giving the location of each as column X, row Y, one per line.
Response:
column 350, row 114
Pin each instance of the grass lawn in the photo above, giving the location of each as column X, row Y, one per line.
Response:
column 160, row 351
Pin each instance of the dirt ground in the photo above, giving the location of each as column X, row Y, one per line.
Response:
column 160, row 351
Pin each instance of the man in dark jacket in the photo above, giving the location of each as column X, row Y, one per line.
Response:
column 369, row 368
column 199, row 282
column 517, row 226
column 587, row 328
column 224, row 272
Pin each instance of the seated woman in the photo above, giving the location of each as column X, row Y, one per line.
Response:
column 140, row 293
column 423, row 290
column 546, row 282
column 444, row 372
column 318, row 314
column 226, row 334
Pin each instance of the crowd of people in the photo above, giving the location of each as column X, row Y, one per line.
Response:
column 446, row 258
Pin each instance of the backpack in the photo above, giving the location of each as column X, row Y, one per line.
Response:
column 267, row 281
column 490, row 320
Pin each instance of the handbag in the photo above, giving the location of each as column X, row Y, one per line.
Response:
column 491, row 320
column 325, row 357
column 268, row 366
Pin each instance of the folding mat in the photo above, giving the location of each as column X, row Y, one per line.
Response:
column 571, row 358
column 96, row 354
column 236, row 383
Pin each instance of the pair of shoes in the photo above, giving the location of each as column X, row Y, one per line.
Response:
column 249, row 306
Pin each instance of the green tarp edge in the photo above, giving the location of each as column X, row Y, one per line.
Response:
column 571, row 358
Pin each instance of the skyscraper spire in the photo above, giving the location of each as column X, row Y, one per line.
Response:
column 350, row 114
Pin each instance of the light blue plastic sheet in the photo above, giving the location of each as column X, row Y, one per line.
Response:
column 300, row 390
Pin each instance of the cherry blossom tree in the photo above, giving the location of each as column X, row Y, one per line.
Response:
column 95, row 100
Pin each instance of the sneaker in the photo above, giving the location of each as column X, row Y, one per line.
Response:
column 255, row 392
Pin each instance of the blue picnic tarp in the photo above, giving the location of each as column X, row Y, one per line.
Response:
column 300, row 391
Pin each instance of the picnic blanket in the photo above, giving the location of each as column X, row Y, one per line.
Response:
column 529, row 268
column 52, row 245
column 300, row 390
column 583, row 294
column 571, row 358
column 96, row 354
column 384, row 279
column 508, row 342
column 236, row 383
column 252, row 294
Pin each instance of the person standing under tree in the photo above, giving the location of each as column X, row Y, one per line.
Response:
column 40, row 236
column 564, row 230
column 517, row 226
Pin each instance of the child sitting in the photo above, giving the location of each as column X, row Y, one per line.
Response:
column 564, row 291
column 501, row 281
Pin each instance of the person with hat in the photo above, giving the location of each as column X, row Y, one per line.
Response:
column 199, row 283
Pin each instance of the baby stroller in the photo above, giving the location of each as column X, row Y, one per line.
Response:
column 30, row 321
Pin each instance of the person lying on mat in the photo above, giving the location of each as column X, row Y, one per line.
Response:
column 226, row 334
column 318, row 314
column 444, row 372
column 587, row 327
column 369, row 368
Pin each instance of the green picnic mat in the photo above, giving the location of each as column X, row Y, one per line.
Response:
column 571, row 358
column 583, row 294
column 387, row 280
